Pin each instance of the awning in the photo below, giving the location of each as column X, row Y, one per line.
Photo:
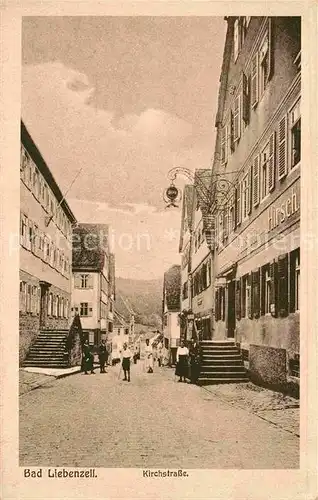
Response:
column 228, row 272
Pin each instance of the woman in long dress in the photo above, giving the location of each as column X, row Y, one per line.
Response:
column 148, row 357
column 182, row 361
column 195, row 361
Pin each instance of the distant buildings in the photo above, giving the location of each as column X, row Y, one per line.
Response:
column 171, row 310
column 45, row 248
column 93, row 280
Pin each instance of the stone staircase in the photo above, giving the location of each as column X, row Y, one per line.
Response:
column 49, row 350
column 221, row 363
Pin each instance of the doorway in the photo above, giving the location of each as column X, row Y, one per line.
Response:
column 44, row 287
column 231, row 316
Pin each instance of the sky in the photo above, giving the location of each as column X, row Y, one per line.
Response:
column 123, row 100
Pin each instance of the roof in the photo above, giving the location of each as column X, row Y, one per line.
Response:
column 187, row 211
column 172, row 288
column 38, row 159
column 90, row 246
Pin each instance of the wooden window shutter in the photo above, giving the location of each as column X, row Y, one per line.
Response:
column 256, row 183
column 238, row 204
column 249, row 301
column 250, row 190
column 274, row 286
column 272, row 163
column 243, row 298
column 238, row 299
column 245, row 98
column 77, row 281
column 223, row 304
column 282, row 148
column 216, row 304
column 223, row 145
column 89, row 309
column 237, row 118
column 263, row 289
column 231, row 131
column 282, row 266
column 270, row 48
column 295, row 255
column 90, row 281
column 254, row 81
column 256, row 293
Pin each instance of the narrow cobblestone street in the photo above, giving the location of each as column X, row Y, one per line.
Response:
column 153, row 421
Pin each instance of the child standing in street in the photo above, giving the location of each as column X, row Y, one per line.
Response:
column 126, row 362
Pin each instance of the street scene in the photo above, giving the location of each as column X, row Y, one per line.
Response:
column 159, row 292
column 101, row 421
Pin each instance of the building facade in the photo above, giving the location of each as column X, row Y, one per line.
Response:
column 45, row 248
column 257, row 240
column 171, row 310
column 93, row 280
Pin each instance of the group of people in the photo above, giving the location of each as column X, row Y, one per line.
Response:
column 88, row 357
column 188, row 359
column 184, row 355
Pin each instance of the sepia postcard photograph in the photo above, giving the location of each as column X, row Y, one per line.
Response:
column 159, row 252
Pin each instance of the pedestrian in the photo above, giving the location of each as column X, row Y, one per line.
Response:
column 182, row 361
column 88, row 359
column 102, row 356
column 126, row 355
column 195, row 361
column 148, row 357
column 160, row 354
column 135, row 356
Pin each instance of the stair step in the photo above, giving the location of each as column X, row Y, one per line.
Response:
column 222, row 352
column 230, row 374
column 210, row 381
column 225, row 368
column 45, row 365
column 221, row 343
column 222, row 362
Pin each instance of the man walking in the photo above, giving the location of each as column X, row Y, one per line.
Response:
column 102, row 355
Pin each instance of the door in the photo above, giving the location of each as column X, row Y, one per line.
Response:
column 44, row 287
column 231, row 309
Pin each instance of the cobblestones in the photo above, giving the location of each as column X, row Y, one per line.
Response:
column 153, row 421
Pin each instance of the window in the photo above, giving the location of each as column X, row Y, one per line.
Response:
column 66, row 309
column 84, row 309
column 29, row 299
column 246, row 296
column 266, row 290
column 23, row 229
column 254, row 81
column 23, row 296
column 84, row 278
column 165, row 320
column 295, row 134
column 238, row 204
column 237, row 118
column 282, row 147
column 236, row 39
column 264, row 64
column 240, row 27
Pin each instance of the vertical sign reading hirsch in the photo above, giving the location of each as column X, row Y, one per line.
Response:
column 284, row 209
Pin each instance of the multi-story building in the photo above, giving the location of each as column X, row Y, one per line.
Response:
column 93, row 280
column 171, row 310
column 45, row 248
column 258, row 148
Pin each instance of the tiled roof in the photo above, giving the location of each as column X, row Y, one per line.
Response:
column 90, row 246
column 172, row 288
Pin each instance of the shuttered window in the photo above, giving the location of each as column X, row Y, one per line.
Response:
column 272, row 163
column 236, row 39
column 246, row 196
column 256, row 294
column 282, row 148
column 282, row 269
column 254, row 81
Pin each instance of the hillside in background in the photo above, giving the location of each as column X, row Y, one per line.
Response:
column 145, row 298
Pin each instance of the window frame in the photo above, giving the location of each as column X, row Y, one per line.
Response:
column 290, row 127
column 263, row 196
